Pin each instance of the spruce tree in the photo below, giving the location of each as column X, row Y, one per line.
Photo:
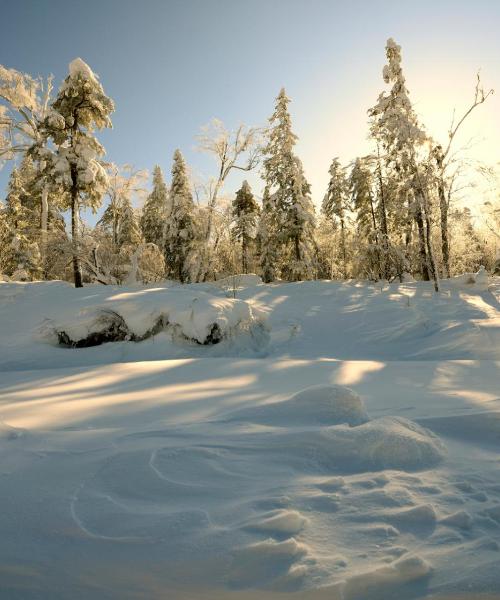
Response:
column 245, row 211
column 81, row 107
column 335, row 205
column 180, row 231
column 267, row 239
column 129, row 233
column 289, row 195
column 155, row 211
column 23, row 259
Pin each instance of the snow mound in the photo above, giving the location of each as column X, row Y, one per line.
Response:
column 260, row 563
column 396, row 443
column 7, row 432
column 316, row 405
column 135, row 316
column 281, row 522
column 460, row 519
column 385, row 443
column 479, row 280
column 385, row 580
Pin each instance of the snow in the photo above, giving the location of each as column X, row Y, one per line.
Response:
column 340, row 442
column 192, row 315
column 79, row 68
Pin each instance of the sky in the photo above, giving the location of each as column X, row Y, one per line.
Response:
column 172, row 65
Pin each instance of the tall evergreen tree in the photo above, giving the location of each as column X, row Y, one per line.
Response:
column 129, row 233
column 245, row 211
column 155, row 210
column 81, row 107
column 289, row 194
column 335, row 204
column 23, row 259
column 180, row 232
column 396, row 129
column 267, row 239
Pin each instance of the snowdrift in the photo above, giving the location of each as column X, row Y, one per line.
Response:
column 136, row 316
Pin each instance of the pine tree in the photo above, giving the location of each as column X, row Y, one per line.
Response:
column 23, row 256
column 267, row 239
column 245, row 211
column 180, row 232
column 335, row 204
column 155, row 211
column 129, row 233
column 289, row 194
column 81, row 107
column 360, row 189
column 300, row 225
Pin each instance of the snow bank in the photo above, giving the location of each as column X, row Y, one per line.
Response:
column 135, row 316
column 317, row 405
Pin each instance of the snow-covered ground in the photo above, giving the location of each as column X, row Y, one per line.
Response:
column 341, row 441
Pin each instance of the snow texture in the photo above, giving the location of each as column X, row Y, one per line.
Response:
column 351, row 456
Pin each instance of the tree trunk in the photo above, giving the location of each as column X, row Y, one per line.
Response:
column 424, row 269
column 44, row 218
column 77, row 272
column 342, row 239
column 443, row 209
column 430, row 252
column 375, row 230
column 244, row 261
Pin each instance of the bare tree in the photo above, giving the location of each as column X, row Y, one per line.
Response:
column 442, row 156
column 125, row 182
column 228, row 148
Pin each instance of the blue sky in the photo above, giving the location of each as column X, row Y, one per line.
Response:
column 172, row 65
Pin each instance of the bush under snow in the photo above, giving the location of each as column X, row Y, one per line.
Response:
column 135, row 316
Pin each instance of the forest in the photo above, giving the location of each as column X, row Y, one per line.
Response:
column 395, row 214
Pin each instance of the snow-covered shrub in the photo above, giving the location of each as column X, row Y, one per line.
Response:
column 136, row 316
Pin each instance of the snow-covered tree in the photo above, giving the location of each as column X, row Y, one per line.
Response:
column 23, row 256
column 289, row 195
column 125, row 184
column 130, row 231
column 335, row 204
column 245, row 213
column 395, row 128
column 180, row 231
column 267, row 239
column 81, row 107
column 156, row 210
column 23, row 107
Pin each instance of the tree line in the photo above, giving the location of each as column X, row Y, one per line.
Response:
column 387, row 215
